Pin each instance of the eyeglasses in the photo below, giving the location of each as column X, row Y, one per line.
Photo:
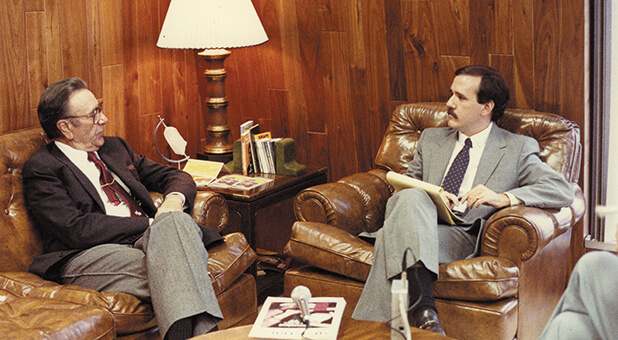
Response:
column 95, row 114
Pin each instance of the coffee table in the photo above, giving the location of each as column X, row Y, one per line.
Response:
column 350, row 330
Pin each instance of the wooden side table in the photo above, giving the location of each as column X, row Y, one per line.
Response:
column 265, row 214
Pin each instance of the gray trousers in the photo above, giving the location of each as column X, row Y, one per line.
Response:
column 411, row 222
column 167, row 266
column 589, row 307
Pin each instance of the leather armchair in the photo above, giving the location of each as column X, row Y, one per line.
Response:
column 31, row 307
column 508, row 291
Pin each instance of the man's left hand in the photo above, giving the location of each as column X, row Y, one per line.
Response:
column 480, row 195
column 172, row 202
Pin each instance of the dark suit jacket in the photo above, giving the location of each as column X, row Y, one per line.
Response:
column 68, row 211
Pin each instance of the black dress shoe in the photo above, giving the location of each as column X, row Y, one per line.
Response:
column 427, row 319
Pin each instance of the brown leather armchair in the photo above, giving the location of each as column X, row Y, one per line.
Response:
column 507, row 292
column 31, row 307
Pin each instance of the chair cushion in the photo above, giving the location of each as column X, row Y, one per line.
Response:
column 331, row 249
column 36, row 318
column 227, row 261
column 482, row 278
column 130, row 314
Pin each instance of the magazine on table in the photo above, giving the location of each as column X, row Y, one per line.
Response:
column 280, row 318
column 203, row 171
column 239, row 182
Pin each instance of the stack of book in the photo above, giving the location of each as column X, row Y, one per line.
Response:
column 257, row 150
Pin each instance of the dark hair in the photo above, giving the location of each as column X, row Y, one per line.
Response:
column 53, row 104
column 493, row 87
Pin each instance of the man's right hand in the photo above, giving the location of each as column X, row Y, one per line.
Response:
column 449, row 199
column 172, row 202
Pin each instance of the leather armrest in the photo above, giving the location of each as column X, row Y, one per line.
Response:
column 210, row 209
column 330, row 248
column 229, row 260
column 355, row 203
column 517, row 233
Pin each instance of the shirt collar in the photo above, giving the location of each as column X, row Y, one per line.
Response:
column 72, row 153
column 479, row 139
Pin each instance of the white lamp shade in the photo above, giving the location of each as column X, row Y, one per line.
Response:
column 211, row 24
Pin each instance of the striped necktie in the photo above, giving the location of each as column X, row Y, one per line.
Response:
column 112, row 189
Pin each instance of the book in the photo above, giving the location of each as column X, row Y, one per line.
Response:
column 280, row 318
column 239, row 182
column 254, row 166
column 445, row 214
column 263, row 141
column 204, row 171
column 245, row 151
column 257, row 138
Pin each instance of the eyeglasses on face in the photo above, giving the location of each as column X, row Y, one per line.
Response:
column 95, row 114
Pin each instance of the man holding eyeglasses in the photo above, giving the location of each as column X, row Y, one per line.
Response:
column 89, row 196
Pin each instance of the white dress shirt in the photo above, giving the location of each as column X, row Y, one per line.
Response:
column 80, row 159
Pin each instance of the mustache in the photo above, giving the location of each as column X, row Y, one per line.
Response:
column 451, row 112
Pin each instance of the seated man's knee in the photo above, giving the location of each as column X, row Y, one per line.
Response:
column 174, row 220
column 597, row 262
column 411, row 195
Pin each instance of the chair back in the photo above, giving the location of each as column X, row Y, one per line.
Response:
column 558, row 138
column 19, row 241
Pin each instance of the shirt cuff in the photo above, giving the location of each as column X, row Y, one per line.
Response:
column 513, row 199
column 181, row 196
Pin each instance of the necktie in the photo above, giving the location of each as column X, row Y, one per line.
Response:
column 112, row 189
column 454, row 176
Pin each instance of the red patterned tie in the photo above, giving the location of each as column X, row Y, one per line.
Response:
column 454, row 177
column 112, row 189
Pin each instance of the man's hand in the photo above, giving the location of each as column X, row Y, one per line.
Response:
column 172, row 202
column 450, row 199
column 480, row 195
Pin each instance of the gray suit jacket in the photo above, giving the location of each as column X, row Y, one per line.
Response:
column 510, row 163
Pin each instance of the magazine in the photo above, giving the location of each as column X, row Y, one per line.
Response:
column 445, row 214
column 280, row 318
column 239, row 182
column 204, row 171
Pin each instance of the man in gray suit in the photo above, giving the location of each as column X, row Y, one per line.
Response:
column 89, row 196
column 482, row 168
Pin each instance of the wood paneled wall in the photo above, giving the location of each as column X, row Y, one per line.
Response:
column 329, row 76
column 111, row 44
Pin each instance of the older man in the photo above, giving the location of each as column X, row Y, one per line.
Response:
column 89, row 196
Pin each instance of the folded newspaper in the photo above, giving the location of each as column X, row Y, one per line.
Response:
column 445, row 214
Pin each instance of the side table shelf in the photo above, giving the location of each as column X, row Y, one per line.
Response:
column 265, row 214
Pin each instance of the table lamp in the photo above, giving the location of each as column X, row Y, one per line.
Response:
column 214, row 26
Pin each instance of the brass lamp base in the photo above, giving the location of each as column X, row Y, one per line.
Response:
column 217, row 144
